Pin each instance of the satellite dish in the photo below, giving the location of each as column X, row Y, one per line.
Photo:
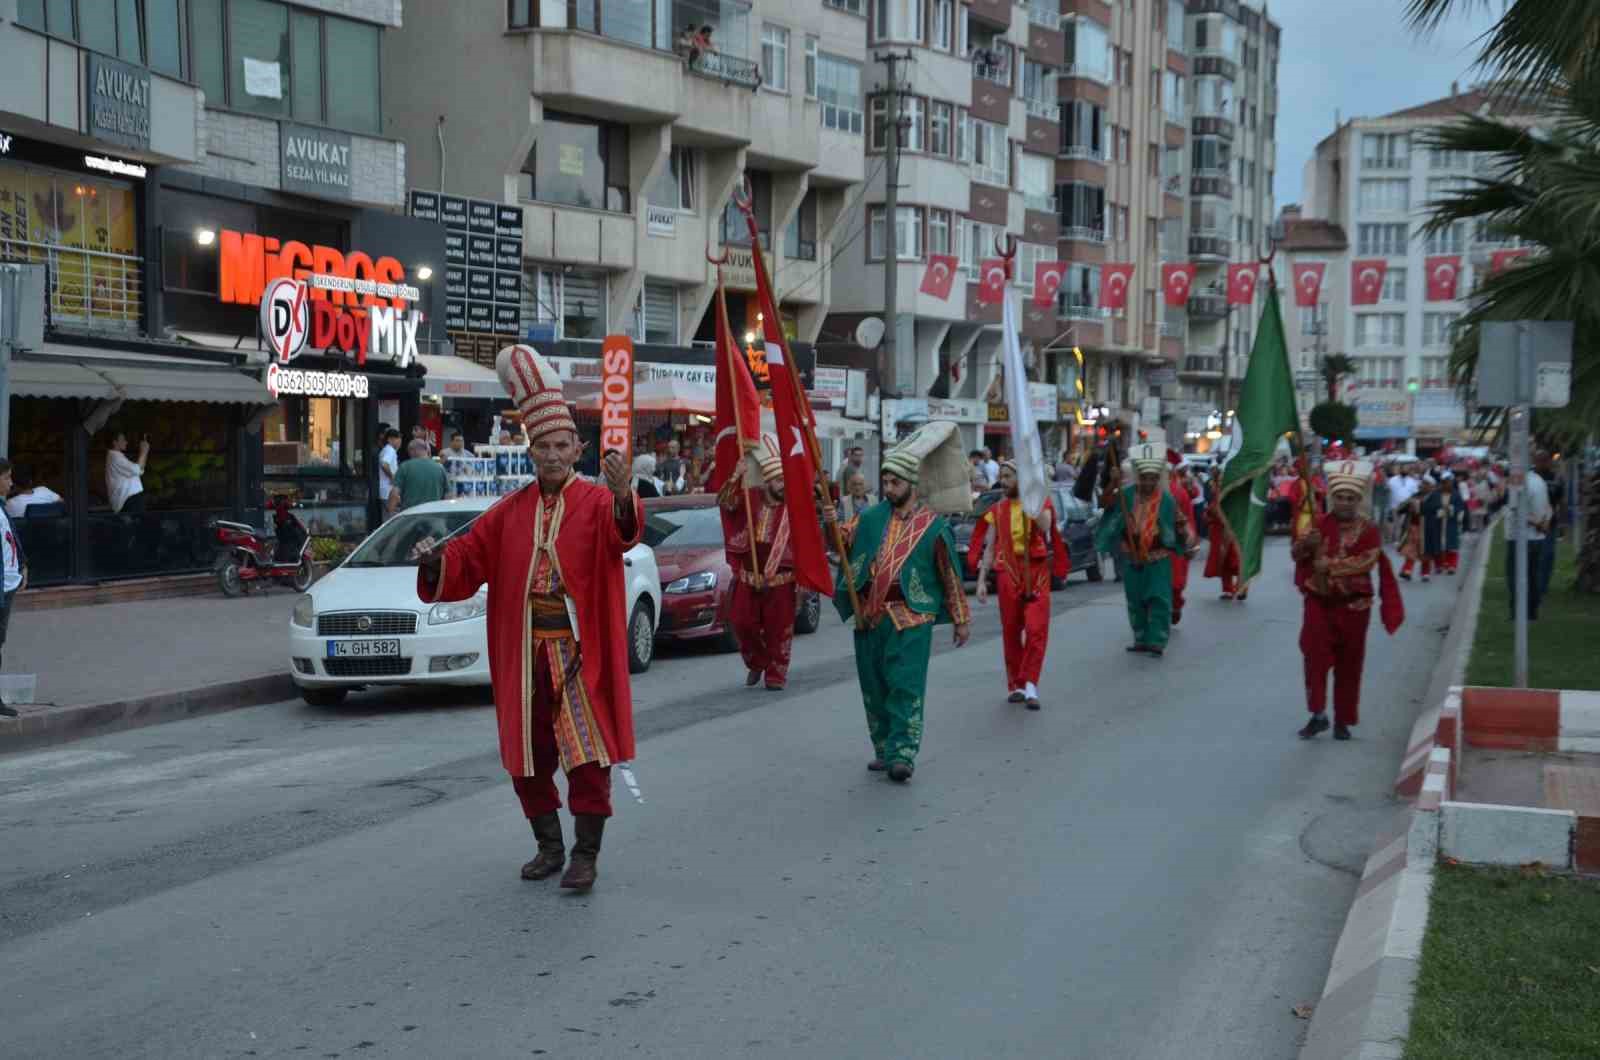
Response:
column 869, row 333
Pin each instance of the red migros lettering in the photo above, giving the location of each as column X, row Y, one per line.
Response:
column 249, row 262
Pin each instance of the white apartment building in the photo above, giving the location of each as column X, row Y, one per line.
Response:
column 1374, row 178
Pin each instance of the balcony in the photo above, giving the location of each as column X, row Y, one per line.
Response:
column 1207, row 307
column 1213, row 126
column 1201, row 365
column 989, row 66
column 1210, row 248
column 88, row 290
column 993, row 12
column 1174, row 328
column 1041, row 203
column 1082, row 234
column 1215, row 66
column 1211, row 183
column 1043, row 109
column 1230, row 8
column 719, row 66
column 1099, row 75
column 1079, row 307
column 1079, row 153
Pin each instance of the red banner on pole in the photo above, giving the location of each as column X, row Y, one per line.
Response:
column 738, row 409
column 1500, row 259
column 616, row 396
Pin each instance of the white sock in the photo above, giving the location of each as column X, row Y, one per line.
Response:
column 1031, row 692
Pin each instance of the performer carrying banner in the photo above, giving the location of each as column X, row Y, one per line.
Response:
column 1179, row 487
column 1143, row 521
column 558, row 650
column 1333, row 570
column 1027, row 554
column 902, row 557
column 764, row 592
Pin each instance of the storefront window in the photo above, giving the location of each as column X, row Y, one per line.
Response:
column 85, row 231
column 39, row 458
column 188, row 465
column 312, row 436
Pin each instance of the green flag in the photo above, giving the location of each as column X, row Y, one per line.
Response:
column 1265, row 413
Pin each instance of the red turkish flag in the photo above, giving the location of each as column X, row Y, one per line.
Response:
column 1500, row 259
column 1114, row 281
column 940, row 276
column 991, row 281
column 1308, row 283
column 738, row 410
column 1176, row 279
column 1366, row 280
column 1242, row 283
column 1443, row 272
column 1047, row 276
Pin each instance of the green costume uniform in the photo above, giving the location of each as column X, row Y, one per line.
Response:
column 904, row 591
column 1148, row 586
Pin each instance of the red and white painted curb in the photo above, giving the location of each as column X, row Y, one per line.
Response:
column 1532, row 719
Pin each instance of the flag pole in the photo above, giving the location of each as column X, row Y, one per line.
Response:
column 738, row 421
column 1008, row 254
column 742, row 199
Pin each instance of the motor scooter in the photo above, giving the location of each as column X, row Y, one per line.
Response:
column 250, row 556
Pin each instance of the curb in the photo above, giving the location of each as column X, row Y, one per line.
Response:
column 62, row 724
column 1532, row 719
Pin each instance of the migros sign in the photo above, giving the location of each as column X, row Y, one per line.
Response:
column 250, row 262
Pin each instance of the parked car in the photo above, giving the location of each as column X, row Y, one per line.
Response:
column 696, row 582
column 362, row 623
column 1076, row 521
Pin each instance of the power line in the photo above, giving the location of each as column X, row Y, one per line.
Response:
column 839, row 246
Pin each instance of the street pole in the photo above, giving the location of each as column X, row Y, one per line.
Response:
column 888, row 369
column 10, row 330
column 1519, row 505
column 1227, row 373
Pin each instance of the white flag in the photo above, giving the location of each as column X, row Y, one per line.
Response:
column 1026, row 448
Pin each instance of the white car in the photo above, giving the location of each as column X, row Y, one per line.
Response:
column 362, row 624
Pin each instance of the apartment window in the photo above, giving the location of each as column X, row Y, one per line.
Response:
column 1170, row 242
column 907, row 233
column 1124, row 146
column 1380, row 372
column 1211, row 217
column 914, row 109
column 1172, row 96
column 1439, row 158
column 944, row 18
column 1213, row 97
column 735, row 228
column 573, row 300
column 963, row 133
column 1175, row 22
column 1380, row 330
column 1083, row 209
column 838, row 89
column 975, row 242
column 144, row 33
column 1212, row 155
column 811, row 67
column 775, row 57
column 1314, row 321
column 1037, row 176
column 352, row 75
column 674, row 185
column 1487, row 231
column 1435, row 371
column 1384, row 196
column 1083, row 130
column 878, row 123
column 1439, row 329
column 657, row 313
column 939, row 117
column 1394, row 285
column 1440, row 188
column 1079, row 294
column 899, row 20
column 854, row 7
column 1172, row 170
column 1385, row 151
column 1088, row 49
column 800, row 235
column 578, row 162
column 1381, row 239
column 1039, row 89
column 991, row 153
column 1029, row 255
column 1448, row 240
column 939, row 231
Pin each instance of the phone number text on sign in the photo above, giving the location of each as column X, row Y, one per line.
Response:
column 311, row 383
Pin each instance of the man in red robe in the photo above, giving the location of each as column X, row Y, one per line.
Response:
column 1027, row 553
column 551, row 555
column 764, row 592
column 1333, row 571
column 1222, row 558
column 1178, row 486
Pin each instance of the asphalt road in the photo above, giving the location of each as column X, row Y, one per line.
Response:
column 1151, row 867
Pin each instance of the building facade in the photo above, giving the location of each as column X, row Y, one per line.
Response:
column 1312, row 331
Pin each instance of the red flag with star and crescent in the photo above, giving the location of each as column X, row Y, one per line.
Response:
column 738, row 409
column 1443, row 271
column 1242, row 283
column 1114, row 280
column 940, row 276
column 796, row 436
column 1308, row 282
column 1366, row 280
column 1047, row 276
column 1502, row 259
column 1177, row 277
column 991, row 281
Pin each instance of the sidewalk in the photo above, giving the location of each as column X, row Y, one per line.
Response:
column 122, row 665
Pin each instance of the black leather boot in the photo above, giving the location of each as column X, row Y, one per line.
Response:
column 587, row 828
column 552, row 849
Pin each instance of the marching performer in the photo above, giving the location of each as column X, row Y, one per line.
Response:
column 1179, row 487
column 1144, row 522
column 764, row 592
column 1222, row 557
column 1028, row 554
column 1333, row 570
column 551, row 555
column 903, row 558
column 1411, row 536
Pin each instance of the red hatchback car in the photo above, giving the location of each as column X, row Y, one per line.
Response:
column 696, row 584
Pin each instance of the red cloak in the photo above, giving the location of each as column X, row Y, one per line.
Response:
column 1040, row 549
column 1180, row 558
column 1354, row 583
column 498, row 550
column 1223, row 555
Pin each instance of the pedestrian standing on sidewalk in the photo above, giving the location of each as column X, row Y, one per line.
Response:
column 388, row 467
column 903, row 557
column 16, row 569
column 1027, row 553
column 764, row 592
column 1333, row 571
column 1410, row 531
column 419, row 479
column 552, row 558
column 125, row 477
column 1436, row 509
column 1144, row 523
column 1540, row 515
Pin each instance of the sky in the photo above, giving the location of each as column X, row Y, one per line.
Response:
column 1361, row 59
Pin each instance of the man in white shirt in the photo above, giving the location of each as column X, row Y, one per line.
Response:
column 991, row 467
column 16, row 568
column 388, row 465
column 16, row 506
column 125, row 477
column 1536, row 505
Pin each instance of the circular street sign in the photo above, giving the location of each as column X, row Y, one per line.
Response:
column 285, row 317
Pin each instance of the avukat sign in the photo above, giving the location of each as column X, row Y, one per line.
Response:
column 616, row 396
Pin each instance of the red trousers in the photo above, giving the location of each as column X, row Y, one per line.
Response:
column 1025, row 627
column 588, row 786
column 1334, row 637
column 1427, row 567
column 1180, row 582
column 763, row 621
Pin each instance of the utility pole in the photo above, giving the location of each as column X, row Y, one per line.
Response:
column 1227, row 374
column 888, row 369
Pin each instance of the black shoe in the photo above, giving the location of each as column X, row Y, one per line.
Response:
column 752, row 678
column 876, row 766
column 1177, row 616
column 1341, row 732
column 1157, row 652
column 900, row 772
column 774, row 688
column 1317, row 724
column 1017, row 697
column 9, row 712
column 1136, row 648
column 1033, row 704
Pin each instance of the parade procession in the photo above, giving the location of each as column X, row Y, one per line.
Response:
column 799, row 528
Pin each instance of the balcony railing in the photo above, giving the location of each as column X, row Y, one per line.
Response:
column 1206, row 246
column 719, row 66
column 1082, row 234
column 1078, row 153
column 1042, row 203
column 1213, row 125
column 1046, row 13
column 1211, row 182
column 1202, row 365
column 990, row 67
column 88, row 288
column 1215, row 66
column 1207, row 306
column 1102, row 77
column 1045, row 109
column 1173, row 329
column 1386, row 162
column 1078, row 307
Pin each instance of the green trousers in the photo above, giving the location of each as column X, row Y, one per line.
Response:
column 892, row 667
column 1149, row 591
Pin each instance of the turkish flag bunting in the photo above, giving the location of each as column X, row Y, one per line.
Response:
column 1308, row 283
column 796, row 436
column 1047, row 277
column 1366, row 280
column 991, row 281
column 1114, row 281
column 940, row 275
column 1242, row 283
column 1502, row 258
column 1177, row 277
column 1444, row 270
column 738, row 410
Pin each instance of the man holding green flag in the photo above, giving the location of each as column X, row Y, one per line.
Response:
column 1265, row 413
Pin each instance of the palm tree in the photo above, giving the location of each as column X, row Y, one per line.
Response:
column 1541, row 188
column 1336, row 366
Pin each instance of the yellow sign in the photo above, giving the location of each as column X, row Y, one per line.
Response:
column 571, row 160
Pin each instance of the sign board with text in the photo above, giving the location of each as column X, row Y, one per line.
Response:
column 118, row 101
column 315, row 161
column 482, row 267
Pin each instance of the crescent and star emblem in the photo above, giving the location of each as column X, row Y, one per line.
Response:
column 940, row 271
column 994, row 277
column 1366, row 281
column 798, row 449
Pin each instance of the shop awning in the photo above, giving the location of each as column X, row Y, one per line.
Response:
column 60, row 371
column 450, row 376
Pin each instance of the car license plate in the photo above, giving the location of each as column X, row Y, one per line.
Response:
column 362, row 649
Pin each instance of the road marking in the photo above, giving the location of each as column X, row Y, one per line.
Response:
column 96, row 783
column 46, row 761
column 315, row 765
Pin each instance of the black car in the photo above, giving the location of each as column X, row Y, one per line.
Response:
column 1075, row 520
